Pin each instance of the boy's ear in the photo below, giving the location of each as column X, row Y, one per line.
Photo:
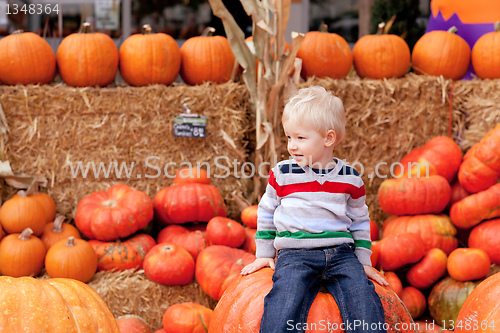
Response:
column 330, row 138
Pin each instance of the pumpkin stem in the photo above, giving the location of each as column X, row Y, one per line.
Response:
column 25, row 235
column 208, row 32
column 146, row 29
column 452, row 30
column 239, row 262
column 380, row 28
column 22, row 194
column 109, row 203
column 389, row 24
column 58, row 221
column 323, row 27
column 85, row 29
column 17, row 32
column 497, row 26
column 71, row 241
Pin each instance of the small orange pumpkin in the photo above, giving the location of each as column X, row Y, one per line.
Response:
column 485, row 58
column 225, row 231
column 466, row 264
column 191, row 175
column 87, row 58
column 23, row 211
column 21, row 254
column 26, row 58
column 324, row 54
column 249, row 216
column 193, row 241
column 149, row 58
column 381, row 55
column 414, row 300
column 71, row 258
column 429, row 270
column 169, row 264
column 187, row 317
column 57, row 230
column 441, row 53
column 132, row 324
column 206, row 58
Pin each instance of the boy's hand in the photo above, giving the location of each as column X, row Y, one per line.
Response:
column 374, row 275
column 257, row 264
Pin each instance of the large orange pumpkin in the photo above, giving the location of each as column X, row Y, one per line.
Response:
column 485, row 236
column 71, row 258
column 87, row 58
column 52, row 306
column 182, row 203
column 218, row 266
column 324, row 54
column 122, row 255
column 149, row 58
column 206, row 58
column 381, row 55
column 485, row 59
column 26, row 58
column 117, row 212
column 436, row 231
column 240, row 308
column 439, row 156
column 413, row 196
column 477, row 207
column 481, row 310
column 441, row 53
column 21, row 254
column 481, row 165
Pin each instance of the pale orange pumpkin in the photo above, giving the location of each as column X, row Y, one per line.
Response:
column 149, row 58
column 71, row 258
column 249, row 216
column 26, row 58
column 467, row 264
column 57, row 230
column 87, row 58
column 21, row 254
column 52, row 306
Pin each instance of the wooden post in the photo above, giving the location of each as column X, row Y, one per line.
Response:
column 365, row 12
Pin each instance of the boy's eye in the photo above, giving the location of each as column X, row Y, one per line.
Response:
column 301, row 138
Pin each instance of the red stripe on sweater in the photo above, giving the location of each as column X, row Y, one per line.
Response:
column 272, row 180
column 329, row 187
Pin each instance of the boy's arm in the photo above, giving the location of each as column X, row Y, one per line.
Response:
column 266, row 230
column 357, row 211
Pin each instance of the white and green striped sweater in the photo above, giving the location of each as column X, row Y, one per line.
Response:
column 304, row 209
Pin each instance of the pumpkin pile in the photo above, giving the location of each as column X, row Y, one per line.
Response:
column 440, row 239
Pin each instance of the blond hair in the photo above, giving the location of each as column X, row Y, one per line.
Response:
column 319, row 108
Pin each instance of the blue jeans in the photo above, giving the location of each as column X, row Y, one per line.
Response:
column 296, row 281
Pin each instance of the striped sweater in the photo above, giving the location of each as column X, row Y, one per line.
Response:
column 303, row 209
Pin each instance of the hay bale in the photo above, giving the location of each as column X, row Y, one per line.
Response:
column 53, row 127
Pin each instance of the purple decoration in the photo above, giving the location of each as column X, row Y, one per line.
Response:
column 471, row 32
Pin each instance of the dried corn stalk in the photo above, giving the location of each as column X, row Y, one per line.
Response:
column 272, row 81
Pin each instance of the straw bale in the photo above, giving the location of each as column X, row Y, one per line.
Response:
column 131, row 292
column 52, row 126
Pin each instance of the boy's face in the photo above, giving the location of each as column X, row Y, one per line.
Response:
column 307, row 146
